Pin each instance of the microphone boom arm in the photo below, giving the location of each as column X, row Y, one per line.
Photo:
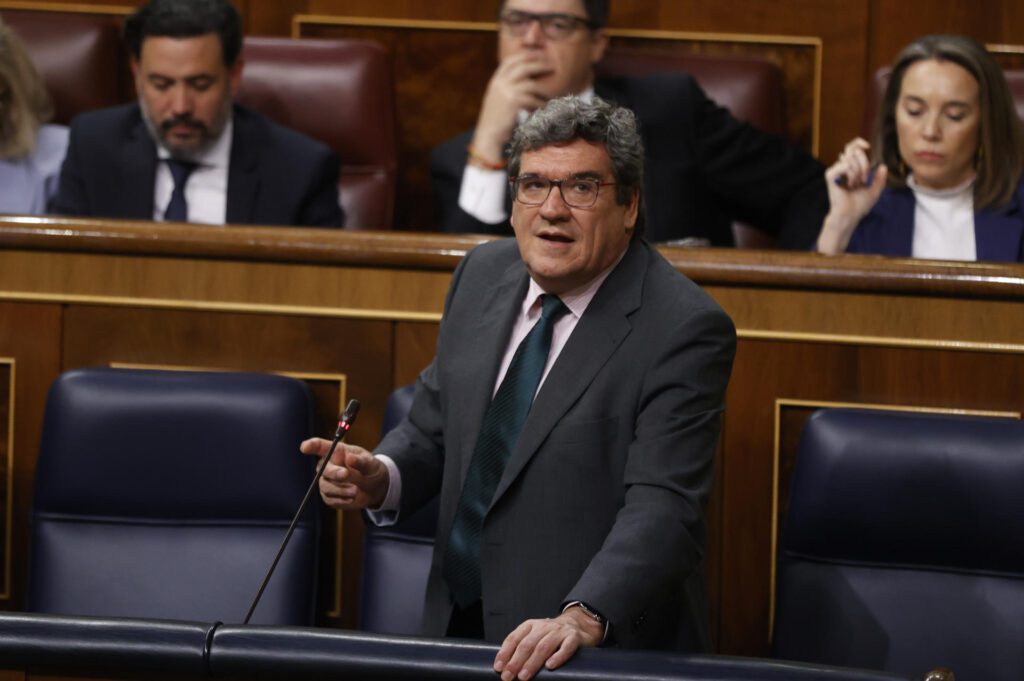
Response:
column 344, row 423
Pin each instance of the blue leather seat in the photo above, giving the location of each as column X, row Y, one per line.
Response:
column 396, row 559
column 903, row 545
column 166, row 494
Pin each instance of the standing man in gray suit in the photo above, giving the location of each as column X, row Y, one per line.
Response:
column 568, row 420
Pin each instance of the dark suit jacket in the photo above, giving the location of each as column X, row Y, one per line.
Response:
column 276, row 175
column 602, row 499
column 889, row 228
column 704, row 170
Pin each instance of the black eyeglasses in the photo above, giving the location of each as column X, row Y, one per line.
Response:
column 578, row 192
column 555, row 26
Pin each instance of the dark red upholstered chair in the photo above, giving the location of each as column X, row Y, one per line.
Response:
column 339, row 92
column 78, row 55
column 876, row 90
column 750, row 87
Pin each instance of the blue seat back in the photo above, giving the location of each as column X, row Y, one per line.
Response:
column 166, row 494
column 396, row 559
column 903, row 546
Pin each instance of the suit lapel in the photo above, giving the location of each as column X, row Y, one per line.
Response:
column 600, row 331
column 612, row 90
column 898, row 236
column 997, row 233
column 243, row 178
column 478, row 367
column 137, row 173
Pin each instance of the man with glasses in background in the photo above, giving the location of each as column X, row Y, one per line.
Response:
column 569, row 418
column 705, row 169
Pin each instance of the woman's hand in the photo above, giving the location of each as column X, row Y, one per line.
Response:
column 853, row 190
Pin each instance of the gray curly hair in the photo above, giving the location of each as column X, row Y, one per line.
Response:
column 565, row 119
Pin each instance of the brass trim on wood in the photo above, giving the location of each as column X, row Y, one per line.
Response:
column 879, row 341
column 1003, row 48
column 342, row 380
column 9, row 488
column 66, row 7
column 435, row 317
column 299, row 20
column 248, row 308
column 782, row 402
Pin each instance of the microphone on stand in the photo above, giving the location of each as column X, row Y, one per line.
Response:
column 344, row 423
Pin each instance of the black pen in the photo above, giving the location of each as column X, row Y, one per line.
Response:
column 842, row 181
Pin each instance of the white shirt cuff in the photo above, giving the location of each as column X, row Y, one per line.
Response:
column 387, row 513
column 482, row 194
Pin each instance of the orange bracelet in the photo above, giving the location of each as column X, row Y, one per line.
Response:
column 478, row 160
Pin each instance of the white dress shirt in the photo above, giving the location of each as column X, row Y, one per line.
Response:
column 206, row 191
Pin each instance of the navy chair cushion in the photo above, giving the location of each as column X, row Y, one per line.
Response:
column 903, row 546
column 166, row 494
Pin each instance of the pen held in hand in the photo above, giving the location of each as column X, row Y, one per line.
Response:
column 841, row 180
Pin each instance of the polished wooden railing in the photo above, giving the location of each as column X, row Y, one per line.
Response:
column 355, row 313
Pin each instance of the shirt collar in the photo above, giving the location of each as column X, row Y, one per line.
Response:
column 966, row 187
column 577, row 299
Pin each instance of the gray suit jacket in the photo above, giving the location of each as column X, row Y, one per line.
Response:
column 602, row 499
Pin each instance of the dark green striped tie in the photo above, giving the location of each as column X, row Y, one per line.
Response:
column 498, row 435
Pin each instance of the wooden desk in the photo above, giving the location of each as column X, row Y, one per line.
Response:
column 356, row 313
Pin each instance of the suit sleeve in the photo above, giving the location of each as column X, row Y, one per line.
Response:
column 763, row 179
column 657, row 540
column 71, row 196
column 321, row 207
column 416, row 444
column 447, row 163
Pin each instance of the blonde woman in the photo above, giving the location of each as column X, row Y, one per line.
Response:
column 31, row 151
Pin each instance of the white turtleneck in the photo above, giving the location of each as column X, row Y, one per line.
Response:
column 944, row 222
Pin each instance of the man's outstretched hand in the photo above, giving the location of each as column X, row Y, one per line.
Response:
column 353, row 479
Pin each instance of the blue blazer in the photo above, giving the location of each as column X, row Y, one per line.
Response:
column 889, row 228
